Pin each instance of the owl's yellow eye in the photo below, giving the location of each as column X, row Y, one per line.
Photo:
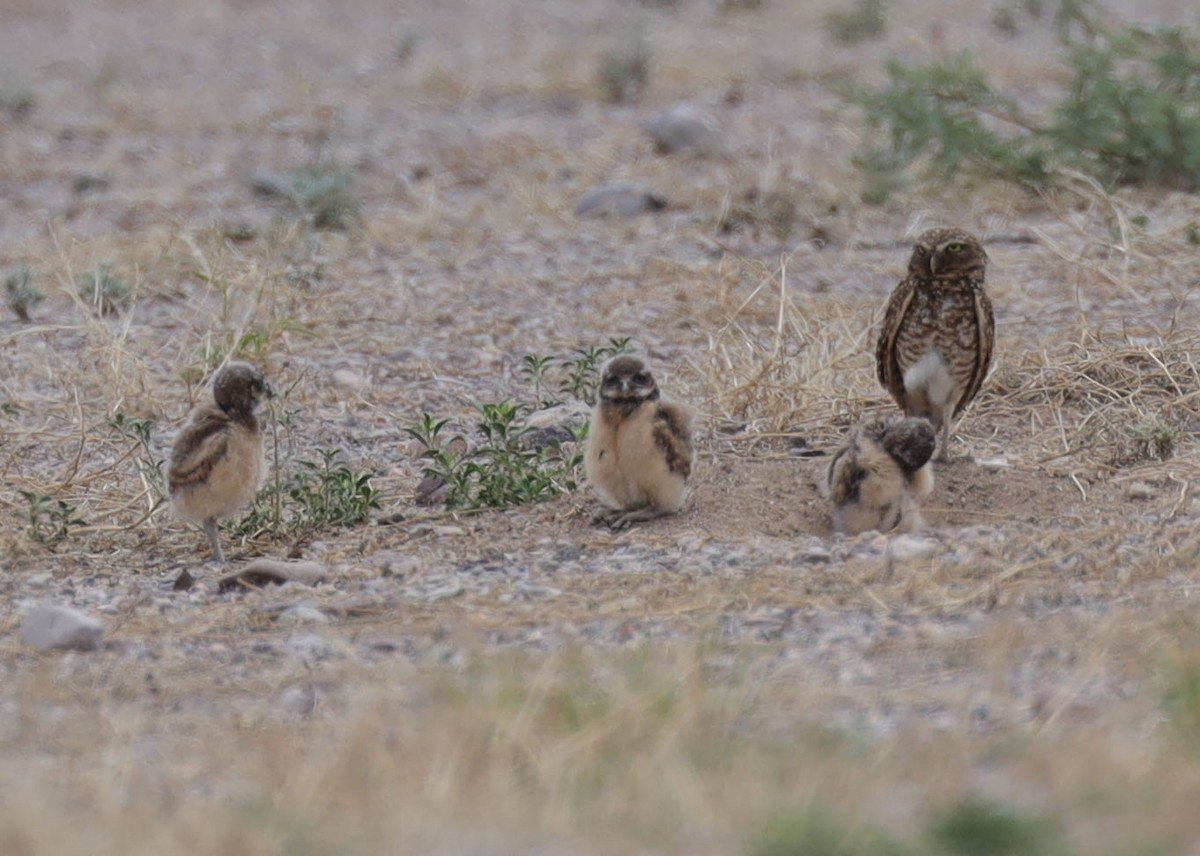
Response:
column 956, row 247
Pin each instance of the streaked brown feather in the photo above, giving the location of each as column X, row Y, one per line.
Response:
column 201, row 444
column 673, row 434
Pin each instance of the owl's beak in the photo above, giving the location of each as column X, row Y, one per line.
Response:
column 933, row 260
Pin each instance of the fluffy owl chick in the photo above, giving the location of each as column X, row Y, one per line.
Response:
column 876, row 478
column 935, row 344
column 639, row 449
column 216, row 462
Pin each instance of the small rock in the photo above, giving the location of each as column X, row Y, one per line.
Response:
column 905, row 547
column 572, row 413
column 58, row 627
column 993, row 465
column 262, row 572
column 816, row 555
column 683, row 128
column 86, row 182
column 448, row 531
column 238, row 230
column 1138, row 490
column 618, row 199
column 431, row 490
column 450, row 591
column 270, row 186
column 299, row 699
column 303, row 613
column 347, row 379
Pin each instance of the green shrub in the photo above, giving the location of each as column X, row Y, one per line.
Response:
column 1130, row 113
column 20, row 293
column 512, row 463
column 977, row 828
column 863, row 21
column 323, row 191
column 624, row 70
column 104, row 292
column 813, row 832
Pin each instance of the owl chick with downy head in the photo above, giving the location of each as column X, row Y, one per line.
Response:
column 216, row 462
column 935, row 344
column 877, row 477
column 639, row 448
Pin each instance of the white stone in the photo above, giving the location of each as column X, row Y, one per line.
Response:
column 59, row 627
column 905, row 547
column 303, row 613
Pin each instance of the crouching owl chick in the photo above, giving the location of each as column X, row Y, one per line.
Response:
column 639, row 448
column 876, row 478
column 216, row 462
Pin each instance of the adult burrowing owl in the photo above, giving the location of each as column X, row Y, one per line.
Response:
column 639, row 448
column 217, row 459
column 876, row 478
column 935, row 344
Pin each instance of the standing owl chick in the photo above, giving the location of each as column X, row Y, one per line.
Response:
column 876, row 478
column 216, row 461
column 935, row 344
column 639, row 449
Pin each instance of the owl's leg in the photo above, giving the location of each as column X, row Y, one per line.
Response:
column 603, row 515
column 944, row 445
column 214, row 539
column 624, row 519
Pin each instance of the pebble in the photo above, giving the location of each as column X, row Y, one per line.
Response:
column 1138, row 490
column 62, row 628
column 816, row 554
column 684, row 128
column 351, row 380
column 262, row 572
column 993, row 465
column 618, row 199
column 905, row 547
column 303, row 613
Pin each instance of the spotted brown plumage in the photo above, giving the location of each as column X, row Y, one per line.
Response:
column 935, row 343
column 876, row 478
column 639, row 450
column 216, row 461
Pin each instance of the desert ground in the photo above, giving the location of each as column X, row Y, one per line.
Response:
column 733, row 679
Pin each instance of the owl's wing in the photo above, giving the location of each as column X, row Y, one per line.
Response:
column 673, row 435
column 986, row 324
column 887, row 368
column 201, row 443
column 844, row 475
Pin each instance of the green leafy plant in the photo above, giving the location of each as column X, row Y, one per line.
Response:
column 977, row 828
column 504, row 468
column 16, row 101
column 329, row 493
column 20, row 293
column 863, row 21
column 1154, row 438
column 1129, row 114
column 103, row 292
column 314, row 495
column 140, row 431
column 50, row 520
column 323, row 190
column 512, row 463
column 815, row 832
column 624, row 70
